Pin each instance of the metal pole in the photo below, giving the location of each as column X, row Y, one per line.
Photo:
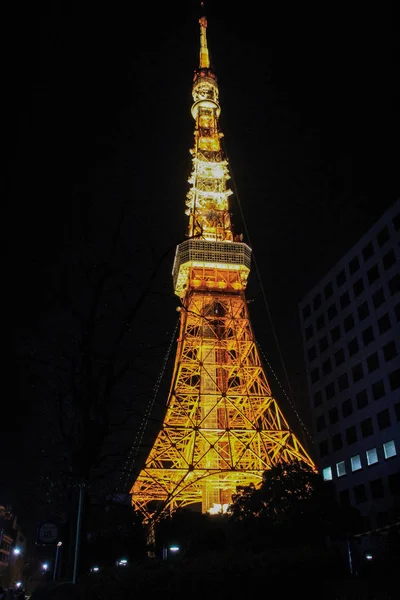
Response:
column 56, row 561
column 78, row 531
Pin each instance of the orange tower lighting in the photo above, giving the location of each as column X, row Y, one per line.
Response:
column 222, row 427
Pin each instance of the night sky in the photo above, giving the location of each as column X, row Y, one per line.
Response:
column 98, row 125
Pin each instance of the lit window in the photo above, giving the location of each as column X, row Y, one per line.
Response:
column 327, row 473
column 355, row 462
column 389, row 449
column 372, row 456
column 340, row 469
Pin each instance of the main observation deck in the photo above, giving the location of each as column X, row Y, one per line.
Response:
column 219, row 257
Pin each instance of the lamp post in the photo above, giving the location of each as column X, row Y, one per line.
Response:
column 59, row 544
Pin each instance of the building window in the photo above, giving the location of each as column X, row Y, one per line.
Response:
column 368, row 251
column 327, row 474
column 383, row 418
column 378, row 389
column 317, row 399
column 384, row 324
column 351, row 435
column 315, row 375
column 397, row 410
column 394, row 379
column 376, row 487
column 373, row 274
column 344, row 498
column 317, row 301
column 347, row 408
column 320, row 322
column 362, row 399
column 323, row 448
column 389, row 259
column 344, row 300
column 321, row 423
column 337, row 442
column 341, row 278
column 372, row 456
column 330, row 390
column 363, row 311
column 354, row 265
column 339, row 357
column 312, row 353
column 348, row 323
column 340, row 468
column 394, row 483
column 355, row 462
column 357, row 372
column 309, row 332
column 383, row 236
column 327, row 367
column 333, row 415
column 378, row 298
column 332, row 311
column 372, row 362
column 397, row 311
column 306, row 312
column 368, row 335
column 328, row 290
column 389, row 449
column 335, row 334
column 394, row 285
column 353, row 347
column 358, row 287
column 323, row 344
column 359, row 494
column 396, row 222
column 366, row 427
column 390, row 351
column 343, row 382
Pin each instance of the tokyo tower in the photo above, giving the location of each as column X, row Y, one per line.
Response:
column 222, row 428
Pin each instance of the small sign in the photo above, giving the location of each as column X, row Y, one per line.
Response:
column 47, row 533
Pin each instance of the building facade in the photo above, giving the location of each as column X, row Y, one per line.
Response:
column 351, row 334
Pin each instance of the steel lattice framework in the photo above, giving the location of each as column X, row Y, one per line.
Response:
column 222, row 427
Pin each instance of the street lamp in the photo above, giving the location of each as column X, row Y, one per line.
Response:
column 45, row 567
column 17, row 551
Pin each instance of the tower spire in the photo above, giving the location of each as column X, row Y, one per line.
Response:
column 204, row 57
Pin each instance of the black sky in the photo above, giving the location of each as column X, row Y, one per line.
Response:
column 98, row 115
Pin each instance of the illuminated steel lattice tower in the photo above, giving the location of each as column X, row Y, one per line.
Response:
column 222, row 427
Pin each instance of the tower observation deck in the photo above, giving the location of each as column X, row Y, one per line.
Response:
column 222, row 427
